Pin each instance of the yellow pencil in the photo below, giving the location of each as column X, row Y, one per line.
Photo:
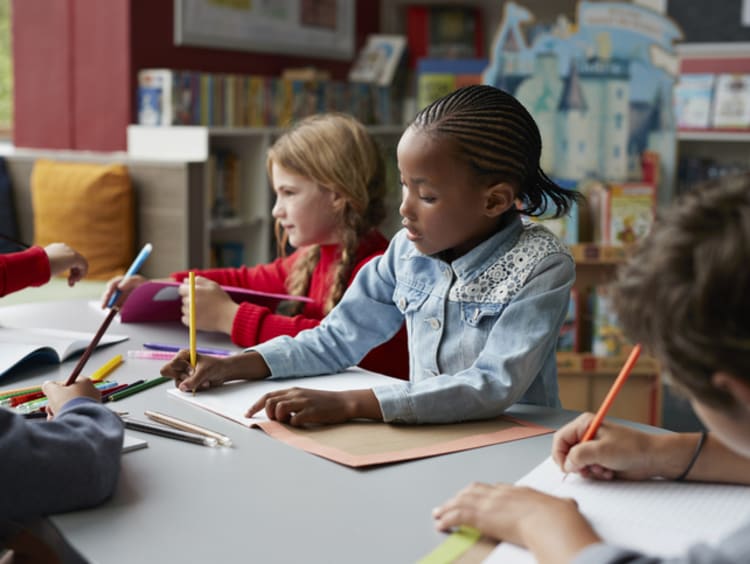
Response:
column 104, row 370
column 193, row 358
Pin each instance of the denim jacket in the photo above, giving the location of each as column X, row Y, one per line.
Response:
column 482, row 329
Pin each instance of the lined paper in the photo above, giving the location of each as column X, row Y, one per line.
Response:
column 657, row 517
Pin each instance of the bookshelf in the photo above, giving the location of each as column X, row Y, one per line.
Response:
column 709, row 152
column 584, row 377
column 251, row 227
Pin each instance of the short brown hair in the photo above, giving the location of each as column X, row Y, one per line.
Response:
column 685, row 294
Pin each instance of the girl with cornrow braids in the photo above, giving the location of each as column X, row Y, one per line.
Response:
column 329, row 179
column 482, row 292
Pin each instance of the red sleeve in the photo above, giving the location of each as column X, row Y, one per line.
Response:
column 20, row 270
column 255, row 324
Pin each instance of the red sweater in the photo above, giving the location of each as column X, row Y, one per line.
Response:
column 20, row 270
column 255, row 324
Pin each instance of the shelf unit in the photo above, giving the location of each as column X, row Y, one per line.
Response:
column 253, row 227
column 585, row 378
column 726, row 147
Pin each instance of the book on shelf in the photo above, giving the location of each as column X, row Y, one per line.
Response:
column 223, row 184
column 567, row 341
column 607, row 337
column 693, row 96
column 629, row 212
column 444, row 32
column 159, row 300
column 155, row 97
column 175, row 97
column 731, row 108
column 438, row 77
column 20, row 348
column 379, row 60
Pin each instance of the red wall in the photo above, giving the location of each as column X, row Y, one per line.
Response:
column 76, row 62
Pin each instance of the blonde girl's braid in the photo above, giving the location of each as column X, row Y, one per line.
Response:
column 337, row 153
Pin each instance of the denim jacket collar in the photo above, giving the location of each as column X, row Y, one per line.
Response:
column 483, row 255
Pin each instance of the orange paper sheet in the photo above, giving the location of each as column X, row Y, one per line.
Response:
column 368, row 443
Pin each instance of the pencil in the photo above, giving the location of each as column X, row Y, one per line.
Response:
column 130, row 272
column 119, row 388
column 146, row 427
column 130, row 390
column 92, row 345
column 612, row 394
column 105, row 369
column 192, row 319
column 165, row 419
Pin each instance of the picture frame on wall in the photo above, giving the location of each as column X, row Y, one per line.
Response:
column 313, row 28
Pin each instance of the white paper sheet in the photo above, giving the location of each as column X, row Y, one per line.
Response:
column 657, row 517
column 233, row 399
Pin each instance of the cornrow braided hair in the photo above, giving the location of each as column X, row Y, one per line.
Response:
column 337, row 153
column 500, row 140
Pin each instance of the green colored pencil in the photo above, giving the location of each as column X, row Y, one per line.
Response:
column 139, row 388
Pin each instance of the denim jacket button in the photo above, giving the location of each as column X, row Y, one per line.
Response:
column 435, row 323
column 402, row 303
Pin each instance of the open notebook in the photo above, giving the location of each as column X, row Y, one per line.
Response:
column 21, row 347
column 657, row 517
column 131, row 443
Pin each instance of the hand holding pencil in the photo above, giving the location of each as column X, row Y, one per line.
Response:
column 596, row 449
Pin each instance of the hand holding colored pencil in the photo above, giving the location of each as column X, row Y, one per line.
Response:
column 612, row 394
column 137, row 263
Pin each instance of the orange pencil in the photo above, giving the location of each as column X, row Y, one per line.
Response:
column 612, row 394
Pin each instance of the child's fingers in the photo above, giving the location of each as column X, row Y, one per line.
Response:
column 568, row 436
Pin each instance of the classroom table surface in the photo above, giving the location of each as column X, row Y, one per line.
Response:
column 261, row 500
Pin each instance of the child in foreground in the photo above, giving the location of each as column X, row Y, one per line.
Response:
column 483, row 294
column 73, row 459
column 329, row 179
column 685, row 295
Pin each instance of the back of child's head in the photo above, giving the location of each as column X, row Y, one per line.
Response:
column 499, row 140
column 337, row 153
column 685, row 293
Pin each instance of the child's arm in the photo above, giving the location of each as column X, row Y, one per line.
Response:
column 623, row 452
column 21, row 270
column 62, row 258
column 550, row 527
column 68, row 463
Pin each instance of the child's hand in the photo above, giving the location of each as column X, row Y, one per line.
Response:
column 62, row 258
column 114, row 284
column 214, row 309
column 208, row 371
column 615, row 452
column 519, row 515
column 301, row 406
column 59, row 394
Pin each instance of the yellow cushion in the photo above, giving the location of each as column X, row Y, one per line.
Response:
column 88, row 206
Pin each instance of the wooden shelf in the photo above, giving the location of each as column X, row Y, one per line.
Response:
column 714, row 135
column 577, row 363
column 593, row 253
